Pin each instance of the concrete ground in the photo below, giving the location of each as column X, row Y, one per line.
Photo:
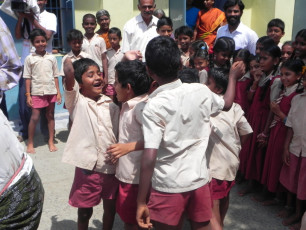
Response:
column 57, row 178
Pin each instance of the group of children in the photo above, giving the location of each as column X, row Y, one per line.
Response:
column 169, row 149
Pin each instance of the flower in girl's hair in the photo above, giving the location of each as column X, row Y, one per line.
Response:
column 304, row 69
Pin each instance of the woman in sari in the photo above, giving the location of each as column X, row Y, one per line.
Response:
column 208, row 22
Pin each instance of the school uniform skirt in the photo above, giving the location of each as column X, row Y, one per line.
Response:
column 293, row 177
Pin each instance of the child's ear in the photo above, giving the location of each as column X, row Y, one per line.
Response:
column 276, row 61
column 80, row 85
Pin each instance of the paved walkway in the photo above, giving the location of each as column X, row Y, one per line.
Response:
column 57, row 178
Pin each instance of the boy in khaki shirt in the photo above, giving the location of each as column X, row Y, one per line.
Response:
column 229, row 131
column 176, row 130
column 95, row 126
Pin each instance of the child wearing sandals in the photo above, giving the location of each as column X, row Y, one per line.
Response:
column 229, row 131
column 292, row 175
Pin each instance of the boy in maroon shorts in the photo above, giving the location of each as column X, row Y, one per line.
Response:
column 132, row 84
column 176, row 131
column 95, row 126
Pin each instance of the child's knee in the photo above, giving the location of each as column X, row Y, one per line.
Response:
column 50, row 115
column 84, row 214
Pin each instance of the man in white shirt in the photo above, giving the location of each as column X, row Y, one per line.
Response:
column 244, row 37
column 48, row 23
column 138, row 31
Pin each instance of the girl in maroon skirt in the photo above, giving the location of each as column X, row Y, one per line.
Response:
column 291, row 72
column 293, row 176
column 267, row 90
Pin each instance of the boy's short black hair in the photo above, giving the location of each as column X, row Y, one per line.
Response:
column 164, row 21
column 276, row 22
column 184, row 30
column 89, row 16
column 81, row 66
column 37, row 32
column 220, row 76
column 133, row 73
column 189, row 75
column 73, row 35
column 265, row 41
column 231, row 3
column 115, row 30
column 163, row 57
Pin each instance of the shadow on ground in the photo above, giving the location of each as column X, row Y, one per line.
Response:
column 71, row 225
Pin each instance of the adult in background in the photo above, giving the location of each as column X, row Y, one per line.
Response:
column 244, row 37
column 138, row 31
column 191, row 14
column 103, row 19
column 208, row 22
column 21, row 191
column 48, row 23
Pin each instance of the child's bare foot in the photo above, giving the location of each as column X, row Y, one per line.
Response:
column 52, row 147
column 30, row 149
column 271, row 202
column 292, row 219
column 245, row 191
column 296, row 226
column 285, row 212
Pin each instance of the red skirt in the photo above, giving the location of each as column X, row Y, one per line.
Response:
column 293, row 177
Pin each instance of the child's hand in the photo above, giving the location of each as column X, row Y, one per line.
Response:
column 59, row 99
column 262, row 140
column 275, row 108
column 116, row 151
column 286, row 157
column 143, row 217
column 257, row 74
column 133, row 55
column 29, row 101
column 237, row 70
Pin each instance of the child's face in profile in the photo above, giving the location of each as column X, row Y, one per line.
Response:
column 40, row 44
column 287, row 52
column 165, row 31
column 267, row 62
column 76, row 45
column 275, row 33
column 221, row 58
column 92, row 83
column 122, row 93
column 184, row 41
column 200, row 63
column 89, row 25
column 259, row 48
column 114, row 40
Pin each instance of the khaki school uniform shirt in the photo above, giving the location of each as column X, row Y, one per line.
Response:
column 94, row 129
column 113, row 57
column 95, row 47
column 130, row 130
column 297, row 121
column 41, row 70
column 176, row 123
column 224, row 142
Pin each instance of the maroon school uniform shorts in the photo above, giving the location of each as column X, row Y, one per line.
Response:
column 168, row 208
column 220, row 188
column 89, row 187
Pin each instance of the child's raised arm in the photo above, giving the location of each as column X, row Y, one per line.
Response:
column 69, row 74
column 237, row 71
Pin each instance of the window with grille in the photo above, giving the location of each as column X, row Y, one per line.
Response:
column 63, row 11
